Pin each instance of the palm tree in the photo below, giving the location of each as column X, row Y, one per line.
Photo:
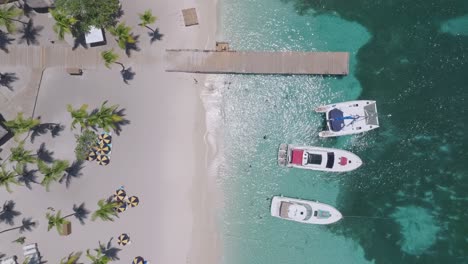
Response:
column 100, row 258
column 105, row 212
column 52, row 173
column 8, row 15
column 109, row 57
column 22, row 156
column 63, row 23
column 79, row 116
column 71, row 259
column 147, row 18
column 123, row 34
column 56, row 221
column 20, row 125
column 106, row 117
column 7, row 178
column 26, row 225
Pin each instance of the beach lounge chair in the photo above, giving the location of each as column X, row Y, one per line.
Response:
column 10, row 260
column 31, row 253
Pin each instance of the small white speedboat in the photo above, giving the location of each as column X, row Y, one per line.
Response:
column 315, row 158
column 349, row 118
column 304, row 211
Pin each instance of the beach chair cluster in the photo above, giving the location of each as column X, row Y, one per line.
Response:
column 123, row 201
column 101, row 153
column 31, row 254
column 9, row 260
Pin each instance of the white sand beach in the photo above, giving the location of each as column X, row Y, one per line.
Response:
column 159, row 157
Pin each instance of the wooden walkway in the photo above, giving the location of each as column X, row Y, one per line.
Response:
column 57, row 56
column 258, row 62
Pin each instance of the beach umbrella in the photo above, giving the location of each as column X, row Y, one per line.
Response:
column 102, row 160
column 120, row 194
column 123, row 239
column 105, row 138
column 91, row 156
column 133, row 201
column 138, row 260
column 103, row 149
column 121, row 207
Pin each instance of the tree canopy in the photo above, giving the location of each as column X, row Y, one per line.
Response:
column 88, row 13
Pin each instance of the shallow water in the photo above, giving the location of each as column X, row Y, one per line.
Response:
column 415, row 175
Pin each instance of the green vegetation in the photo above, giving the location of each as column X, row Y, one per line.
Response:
column 7, row 178
column 105, row 212
column 147, row 18
column 56, row 221
column 71, row 259
column 9, row 15
column 22, row 156
column 63, row 23
column 100, row 258
column 79, row 116
column 20, row 125
column 109, row 57
column 106, row 117
column 88, row 13
column 123, row 33
column 53, row 173
column 84, row 144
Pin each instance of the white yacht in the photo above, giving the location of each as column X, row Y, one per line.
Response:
column 348, row 118
column 315, row 158
column 304, row 211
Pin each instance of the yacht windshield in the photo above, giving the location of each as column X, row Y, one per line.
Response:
column 314, row 159
column 330, row 160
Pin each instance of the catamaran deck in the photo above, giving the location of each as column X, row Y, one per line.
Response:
column 258, row 62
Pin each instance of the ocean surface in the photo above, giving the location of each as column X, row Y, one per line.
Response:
column 408, row 202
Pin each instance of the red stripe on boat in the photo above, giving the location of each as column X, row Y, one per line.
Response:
column 297, row 155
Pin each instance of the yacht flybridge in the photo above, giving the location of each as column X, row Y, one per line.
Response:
column 349, row 117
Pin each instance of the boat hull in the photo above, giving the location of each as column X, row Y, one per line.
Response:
column 343, row 160
column 278, row 201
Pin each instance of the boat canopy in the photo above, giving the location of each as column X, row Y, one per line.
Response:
column 336, row 120
column 371, row 114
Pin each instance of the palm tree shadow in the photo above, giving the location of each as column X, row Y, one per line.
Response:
column 41, row 129
column 26, row 225
column 127, row 74
column 5, row 40
column 27, row 10
column 29, row 33
column 74, row 171
column 118, row 125
column 8, row 212
column 80, row 41
column 81, row 213
column 155, row 35
column 44, row 154
column 28, row 177
column 7, row 78
column 129, row 47
column 109, row 251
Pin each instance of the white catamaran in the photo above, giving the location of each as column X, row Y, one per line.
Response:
column 348, row 118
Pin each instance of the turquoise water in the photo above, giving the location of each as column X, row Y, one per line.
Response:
column 411, row 57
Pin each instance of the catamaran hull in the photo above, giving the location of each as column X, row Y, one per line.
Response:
column 276, row 203
column 365, row 112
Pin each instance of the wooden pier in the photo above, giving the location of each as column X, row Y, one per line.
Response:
column 258, row 62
